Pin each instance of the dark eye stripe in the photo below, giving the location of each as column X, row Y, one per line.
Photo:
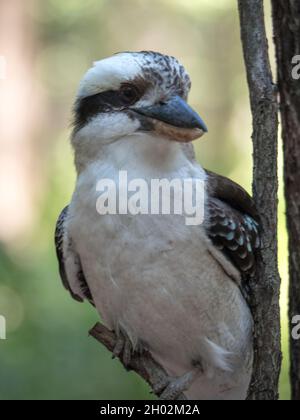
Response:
column 107, row 101
column 90, row 106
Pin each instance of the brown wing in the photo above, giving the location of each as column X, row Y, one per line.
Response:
column 233, row 224
column 231, row 193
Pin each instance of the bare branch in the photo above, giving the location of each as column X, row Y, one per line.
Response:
column 264, row 291
column 143, row 364
column 286, row 19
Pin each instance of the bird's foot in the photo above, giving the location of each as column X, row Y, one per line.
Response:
column 171, row 388
column 124, row 349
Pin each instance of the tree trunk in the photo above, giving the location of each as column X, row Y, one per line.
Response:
column 264, row 290
column 286, row 20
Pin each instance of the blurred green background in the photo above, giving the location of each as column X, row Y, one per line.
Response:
column 48, row 45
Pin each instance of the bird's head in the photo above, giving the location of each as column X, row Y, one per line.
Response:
column 132, row 93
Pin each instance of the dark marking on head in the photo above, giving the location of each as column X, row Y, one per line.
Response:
column 109, row 101
column 166, row 71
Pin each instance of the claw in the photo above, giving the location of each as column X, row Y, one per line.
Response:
column 172, row 388
column 119, row 346
column 123, row 349
column 127, row 352
column 160, row 386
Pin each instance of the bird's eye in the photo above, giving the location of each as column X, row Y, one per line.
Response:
column 129, row 94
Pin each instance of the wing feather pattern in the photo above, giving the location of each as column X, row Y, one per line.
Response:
column 233, row 222
column 61, row 249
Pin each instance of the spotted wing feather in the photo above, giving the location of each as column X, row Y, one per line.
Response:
column 233, row 223
column 60, row 237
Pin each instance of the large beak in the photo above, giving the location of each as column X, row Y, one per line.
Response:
column 175, row 119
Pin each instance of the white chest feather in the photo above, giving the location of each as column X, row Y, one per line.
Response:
column 154, row 277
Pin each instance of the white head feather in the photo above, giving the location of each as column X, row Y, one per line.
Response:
column 109, row 73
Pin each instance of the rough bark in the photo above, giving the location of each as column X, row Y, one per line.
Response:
column 264, row 290
column 286, row 21
column 142, row 363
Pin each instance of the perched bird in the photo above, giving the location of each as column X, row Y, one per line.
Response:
column 174, row 289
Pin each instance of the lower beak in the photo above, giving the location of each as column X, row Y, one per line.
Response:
column 178, row 116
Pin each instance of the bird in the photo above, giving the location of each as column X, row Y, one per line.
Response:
column 177, row 291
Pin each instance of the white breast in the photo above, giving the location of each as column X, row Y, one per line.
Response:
column 154, row 277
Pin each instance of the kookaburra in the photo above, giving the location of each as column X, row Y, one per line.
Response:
column 173, row 289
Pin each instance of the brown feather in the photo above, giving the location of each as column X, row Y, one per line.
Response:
column 233, row 222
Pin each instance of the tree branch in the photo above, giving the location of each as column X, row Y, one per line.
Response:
column 264, row 290
column 143, row 364
column 286, row 21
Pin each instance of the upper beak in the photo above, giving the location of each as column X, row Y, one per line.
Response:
column 175, row 112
